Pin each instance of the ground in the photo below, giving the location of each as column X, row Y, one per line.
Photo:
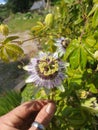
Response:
column 10, row 74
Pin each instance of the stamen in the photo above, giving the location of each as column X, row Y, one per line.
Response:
column 47, row 67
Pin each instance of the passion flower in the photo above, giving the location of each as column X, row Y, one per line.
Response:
column 46, row 70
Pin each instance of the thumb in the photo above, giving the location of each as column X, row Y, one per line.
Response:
column 45, row 115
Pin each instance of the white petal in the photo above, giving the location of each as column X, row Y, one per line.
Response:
column 28, row 67
column 55, row 55
column 33, row 60
column 29, row 79
column 42, row 54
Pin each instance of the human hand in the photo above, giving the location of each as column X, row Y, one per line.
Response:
column 22, row 117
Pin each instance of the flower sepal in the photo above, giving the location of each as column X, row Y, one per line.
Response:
column 61, row 88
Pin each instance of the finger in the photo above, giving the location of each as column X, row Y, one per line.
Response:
column 5, row 127
column 45, row 115
column 17, row 116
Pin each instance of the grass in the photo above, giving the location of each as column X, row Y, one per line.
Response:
column 21, row 22
column 8, row 101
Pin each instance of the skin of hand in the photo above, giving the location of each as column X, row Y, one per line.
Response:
column 22, row 117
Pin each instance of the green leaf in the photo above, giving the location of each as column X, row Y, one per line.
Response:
column 79, row 20
column 10, row 38
column 75, row 73
column 69, row 1
column 38, row 28
column 29, row 92
column 78, row 58
column 83, row 58
column 72, row 46
column 10, row 52
column 68, row 52
column 75, row 58
column 92, row 88
column 95, row 19
column 12, row 55
column 95, row 7
column 14, row 48
column 95, row 1
column 90, row 40
column 3, row 54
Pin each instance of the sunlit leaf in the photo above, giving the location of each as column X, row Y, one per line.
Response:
column 16, row 49
column 10, row 38
column 75, row 58
column 90, row 40
column 95, row 7
column 72, row 46
column 3, row 54
column 92, row 88
column 79, row 20
column 95, row 19
column 83, row 58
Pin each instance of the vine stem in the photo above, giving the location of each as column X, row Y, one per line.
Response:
column 33, row 38
column 53, row 94
column 83, row 31
column 85, row 19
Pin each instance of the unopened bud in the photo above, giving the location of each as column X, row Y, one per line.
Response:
column 4, row 29
column 49, row 20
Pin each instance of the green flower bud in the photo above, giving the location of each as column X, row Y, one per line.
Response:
column 4, row 29
column 96, row 55
column 49, row 20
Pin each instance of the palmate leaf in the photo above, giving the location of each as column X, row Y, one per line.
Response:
column 8, row 101
column 72, row 46
column 76, row 55
column 68, row 52
column 38, row 28
column 78, row 58
column 16, row 49
column 10, row 52
column 13, row 51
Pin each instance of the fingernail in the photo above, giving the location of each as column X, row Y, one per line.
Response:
column 49, row 108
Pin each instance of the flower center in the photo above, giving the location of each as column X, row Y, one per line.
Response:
column 47, row 67
column 65, row 43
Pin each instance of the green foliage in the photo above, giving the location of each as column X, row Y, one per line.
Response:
column 27, row 92
column 8, row 101
column 78, row 21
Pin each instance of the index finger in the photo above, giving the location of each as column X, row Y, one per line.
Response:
column 17, row 116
